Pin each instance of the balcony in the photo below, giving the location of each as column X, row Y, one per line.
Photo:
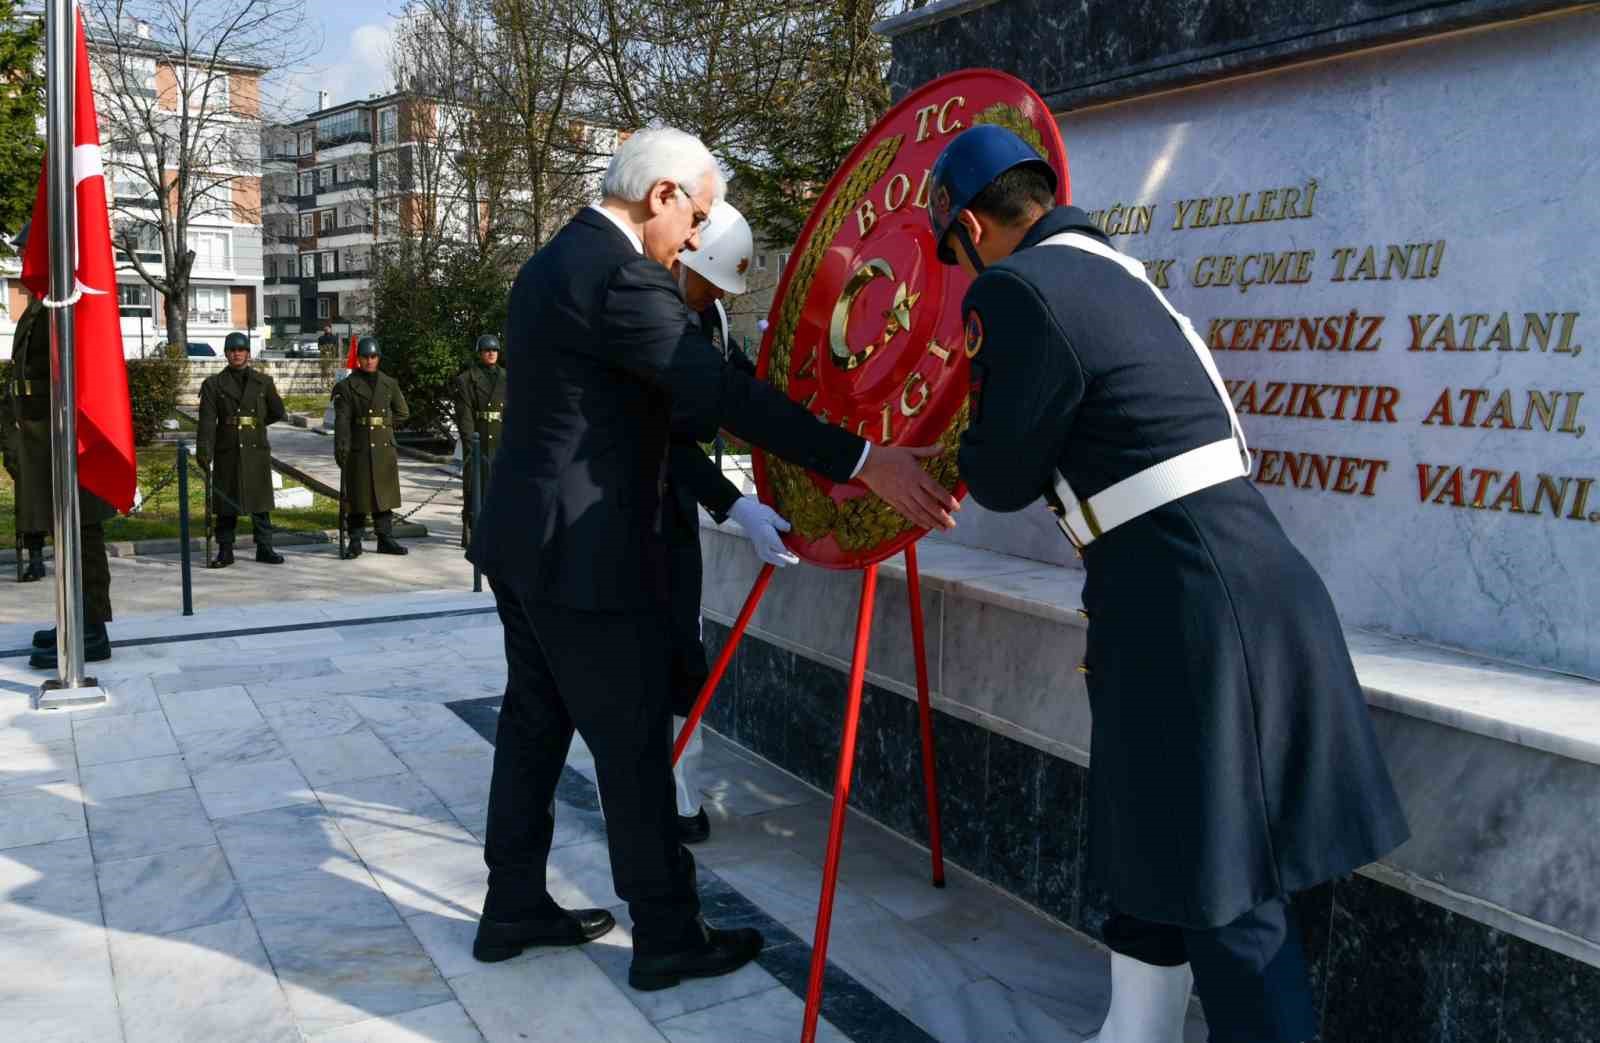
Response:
column 345, row 138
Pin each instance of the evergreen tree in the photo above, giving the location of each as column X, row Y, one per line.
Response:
column 21, row 109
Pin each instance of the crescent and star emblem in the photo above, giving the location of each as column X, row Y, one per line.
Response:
column 896, row 319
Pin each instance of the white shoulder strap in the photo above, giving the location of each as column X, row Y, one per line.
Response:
column 1078, row 241
column 727, row 339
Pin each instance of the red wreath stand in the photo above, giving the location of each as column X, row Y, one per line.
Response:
column 847, row 747
column 866, row 330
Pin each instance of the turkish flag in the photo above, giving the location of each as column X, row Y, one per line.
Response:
column 106, row 463
column 350, row 359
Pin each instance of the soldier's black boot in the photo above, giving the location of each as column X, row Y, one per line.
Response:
column 96, row 647
column 33, row 572
column 45, row 638
column 267, row 556
column 224, row 556
column 387, row 544
column 355, row 545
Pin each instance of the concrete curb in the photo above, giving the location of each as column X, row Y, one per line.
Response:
column 136, row 548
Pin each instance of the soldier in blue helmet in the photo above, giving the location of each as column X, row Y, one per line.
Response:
column 1240, row 765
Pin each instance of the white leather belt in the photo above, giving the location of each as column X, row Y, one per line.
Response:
column 1084, row 521
column 1143, row 492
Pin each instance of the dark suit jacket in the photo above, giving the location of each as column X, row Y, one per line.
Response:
column 600, row 354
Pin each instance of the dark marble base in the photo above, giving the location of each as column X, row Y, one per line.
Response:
column 1386, row 967
column 1076, row 54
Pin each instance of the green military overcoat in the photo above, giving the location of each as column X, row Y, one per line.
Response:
column 480, row 408
column 366, row 408
column 234, row 415
column 28, row 412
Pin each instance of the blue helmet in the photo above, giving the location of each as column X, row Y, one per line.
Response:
column 972, row 160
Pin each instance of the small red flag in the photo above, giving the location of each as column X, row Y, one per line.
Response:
column 106, row 463
column 350, row 359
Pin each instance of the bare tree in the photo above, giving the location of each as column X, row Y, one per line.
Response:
column 178, row 89
column 524, row 146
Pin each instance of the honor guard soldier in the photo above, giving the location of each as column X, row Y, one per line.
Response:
column 27, row 441
column 694, row 480
column 366, row 406
column 480, row 408
column 1239, row 764
column 236, row 405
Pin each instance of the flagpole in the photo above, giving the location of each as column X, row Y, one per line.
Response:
column 60, row 56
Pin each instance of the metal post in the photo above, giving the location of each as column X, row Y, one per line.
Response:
column 183, row 527
column 477, row 501
column 919, row 647
column 60, row 57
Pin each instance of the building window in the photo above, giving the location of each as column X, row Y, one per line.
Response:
column 783, row 259
column 330, row 263
column 325, row 177
column 354, row 259
column 308, row 183
column 308, row 142
column 389, row 171
column 308, row 266
column 389, row 218
column 133, row 298
column 326, row 221
column 324, row 308
column 343, row 127
column 213, row 250
column 308, row 225
column 761, row 262
column 388, row 125
column 208, row 304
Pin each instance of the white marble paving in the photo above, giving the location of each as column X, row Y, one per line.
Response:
column 231, row 851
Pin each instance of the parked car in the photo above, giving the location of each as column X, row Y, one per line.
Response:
column 198, row 349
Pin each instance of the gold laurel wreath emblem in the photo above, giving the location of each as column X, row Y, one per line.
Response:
column 866, row 521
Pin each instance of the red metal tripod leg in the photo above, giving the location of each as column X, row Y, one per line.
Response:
column 930, row 783
column 703, row 700
column 841, row 799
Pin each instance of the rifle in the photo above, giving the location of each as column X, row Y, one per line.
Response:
column 343, row 527
column 209, row 457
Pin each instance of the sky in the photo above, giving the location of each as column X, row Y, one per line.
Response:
column 353, row 59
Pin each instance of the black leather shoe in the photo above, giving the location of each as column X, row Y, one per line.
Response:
column 267, row 556
column 502, row 939
column 693, row 829
column 722, row 952
column 33, row 572
column 45, row 638
column 354, row 550
column 224, row 557
column 388, row 545
column 96, row 649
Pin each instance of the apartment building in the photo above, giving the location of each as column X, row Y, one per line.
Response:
column 225, row 231
column 339, row 185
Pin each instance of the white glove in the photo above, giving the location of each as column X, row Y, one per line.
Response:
column 762, row 524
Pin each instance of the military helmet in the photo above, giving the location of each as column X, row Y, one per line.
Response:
column 235, row 340
column 725, row 247
column 367, row 347
column 968, row 165
column 488, row 342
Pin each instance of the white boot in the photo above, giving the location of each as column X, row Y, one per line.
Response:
column 1148, row 1003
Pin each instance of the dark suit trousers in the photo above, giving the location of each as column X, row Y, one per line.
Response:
column 1251, row 974
column 605, row 675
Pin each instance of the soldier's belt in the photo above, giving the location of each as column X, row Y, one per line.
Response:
column 241, row 421
column 370, row 421
column 29, row 388
column 490, row 415
column 1087, row 520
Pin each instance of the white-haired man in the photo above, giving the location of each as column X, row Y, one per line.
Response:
column 571, row 539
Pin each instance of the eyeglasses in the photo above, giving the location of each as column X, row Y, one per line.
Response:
column 700, row 216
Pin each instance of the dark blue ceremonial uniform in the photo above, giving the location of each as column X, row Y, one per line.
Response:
column 1234, row 760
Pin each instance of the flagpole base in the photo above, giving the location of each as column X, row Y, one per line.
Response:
column 52, row 696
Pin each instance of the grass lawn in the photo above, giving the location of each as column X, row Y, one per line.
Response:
column 158, row 515
column 305, row 403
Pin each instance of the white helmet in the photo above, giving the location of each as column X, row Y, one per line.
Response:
column 725, row 247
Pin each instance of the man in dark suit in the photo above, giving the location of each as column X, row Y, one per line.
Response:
column 602, row 354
